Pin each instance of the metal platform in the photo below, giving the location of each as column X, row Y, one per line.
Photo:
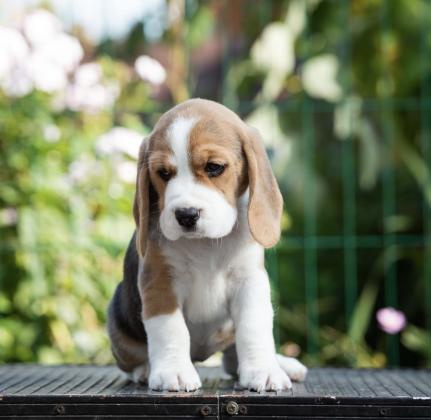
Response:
column 103, row 392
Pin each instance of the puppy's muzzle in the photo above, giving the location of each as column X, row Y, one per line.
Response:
column 187, row 217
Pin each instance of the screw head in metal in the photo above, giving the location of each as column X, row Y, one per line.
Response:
column 59, row 410
column 242, row 409
column 232, row 408
column 206, row 410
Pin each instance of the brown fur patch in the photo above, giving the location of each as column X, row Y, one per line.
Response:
column 265, row 206
column 217, row 142
column 155, row 284
column 160, row 161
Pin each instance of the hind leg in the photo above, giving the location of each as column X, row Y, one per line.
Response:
column 131, row 355
column 230, row 360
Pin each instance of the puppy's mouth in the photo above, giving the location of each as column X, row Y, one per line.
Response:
column 192, row 233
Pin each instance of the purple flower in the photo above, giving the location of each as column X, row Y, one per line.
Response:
column 391, row 320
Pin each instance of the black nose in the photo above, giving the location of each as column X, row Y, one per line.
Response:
column 187, row 217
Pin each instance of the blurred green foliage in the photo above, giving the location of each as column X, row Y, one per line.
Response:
column 340, row 91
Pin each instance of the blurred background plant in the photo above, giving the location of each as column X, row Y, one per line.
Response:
column 340, row 90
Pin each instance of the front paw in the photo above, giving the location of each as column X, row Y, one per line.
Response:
column 269, row 378
column 295, row 369
column 177, row 377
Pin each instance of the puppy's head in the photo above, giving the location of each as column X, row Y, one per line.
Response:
column 199, row 159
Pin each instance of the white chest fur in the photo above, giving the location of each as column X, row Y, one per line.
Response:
column 204, row 281
column 206, row 274
column 202, row 278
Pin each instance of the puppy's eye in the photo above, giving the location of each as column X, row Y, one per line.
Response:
column 164, row 174
column 214, row 169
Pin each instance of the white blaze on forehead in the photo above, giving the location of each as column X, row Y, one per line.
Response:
column 178, row 138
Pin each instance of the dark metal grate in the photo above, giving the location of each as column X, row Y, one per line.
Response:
column 30, row 391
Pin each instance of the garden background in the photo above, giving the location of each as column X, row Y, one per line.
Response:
column 340, row 90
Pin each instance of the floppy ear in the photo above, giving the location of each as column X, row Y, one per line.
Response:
column 141, row 204
column 265, row 204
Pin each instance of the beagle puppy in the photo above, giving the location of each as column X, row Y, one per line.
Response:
column 206, row 206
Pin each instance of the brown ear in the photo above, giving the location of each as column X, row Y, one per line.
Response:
column 141, row 204
column 265, row 206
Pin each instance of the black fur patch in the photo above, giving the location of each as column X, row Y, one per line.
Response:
column 126, row 303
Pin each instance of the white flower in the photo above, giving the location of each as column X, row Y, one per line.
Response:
column 63, row 50
column 41, row 26
column 274, row 49
column 265, row 119
column 126, row 171
column 14, row 78
column 88, row 74
column 296, row 16
column 44, row 68
column 47, row 76
column 82, row 169
column 274, row 53
column 17, row 82
column 319, row 77
column 150, row 70
column 5, row 61
column 51, row 133
column 91, row 99
column 13, row 49
column 79, row 170
column 88, row 92
column 120, row 140
column 54, row 54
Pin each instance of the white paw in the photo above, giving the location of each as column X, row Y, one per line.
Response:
column 179, row 377
column 269, row 378
column 294, row 369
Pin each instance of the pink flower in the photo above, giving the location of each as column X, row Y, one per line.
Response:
column 391, row 320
